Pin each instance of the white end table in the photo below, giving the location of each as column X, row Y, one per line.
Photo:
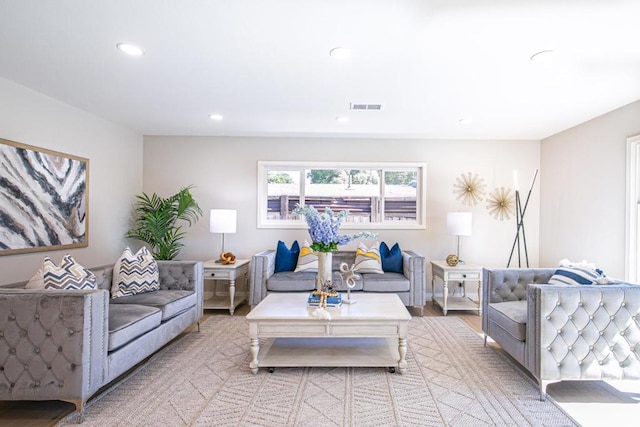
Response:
column 229, row 272
column 460, row 273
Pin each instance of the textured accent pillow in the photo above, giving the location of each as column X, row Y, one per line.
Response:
column 69, row 275
column 368, row 259
column 391, row 258
column 135, row 273
column 576, row 276
column 307, row 260
column 286, row 258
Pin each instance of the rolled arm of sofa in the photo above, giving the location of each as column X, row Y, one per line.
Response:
column 183, row 275
column 413, row 266
column 53, row 344
column 263, row 265
column 583, row 332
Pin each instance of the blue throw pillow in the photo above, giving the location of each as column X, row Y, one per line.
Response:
column 391, row 258
column 286, row 259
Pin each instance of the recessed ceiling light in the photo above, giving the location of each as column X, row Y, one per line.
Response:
column 216, row 117
column 465, row 121
column 543, row 56
column 130, row 49
column 340, row 53
column 342, row 119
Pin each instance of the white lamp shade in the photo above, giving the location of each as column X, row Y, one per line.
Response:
column 459, row 223
column 222, row 220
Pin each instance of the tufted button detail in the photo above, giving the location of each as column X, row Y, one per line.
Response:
column 548, row 317
column 590, row 347
column 601, row 303
column 1, row 333
column 579, row 332
column 590, row 317
column 37, row 316
column 61, row 316
column 621, row 333
column 70, row 331
column 559, row 331
column 570, row 348
column 579, row 362
column 558, row 304
column 600, row 362
column 73, row 366
column 580, row 304
column 23, row 333
column 1, row 368
column 61, row 384
column 12, row 385
column 611, row 317
column 633, row 317
column 37, row 383
column 12, row 351
column 37, row 350
column 549, row 348
column 12, row 317
column 26, row 367
column 570, row 317
column 632, row 348
column 48, row 367
column 558, row 364
column 59, row 349
column 611, row 348
column 601, row 333
column 623, row 304
column 48, row 333
column 621, row 364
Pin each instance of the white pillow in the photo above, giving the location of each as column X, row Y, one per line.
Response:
column 134, row 274
column 368, row 259
column 69, row 275
column 307, row 260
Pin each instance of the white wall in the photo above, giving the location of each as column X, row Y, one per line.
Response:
column 583, row 191
column 224, row 172
column 115, row 158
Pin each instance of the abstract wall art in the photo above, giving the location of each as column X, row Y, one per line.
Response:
column 44, row 199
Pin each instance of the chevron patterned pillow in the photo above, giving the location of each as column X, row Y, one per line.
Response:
column 134, row 274
column 69, row 275
column 307, row 260
column 368, row 259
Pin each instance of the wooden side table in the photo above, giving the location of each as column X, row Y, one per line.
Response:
column 229, row 272
column 459, row 273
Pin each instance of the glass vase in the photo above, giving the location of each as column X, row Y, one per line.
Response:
column 324, row 269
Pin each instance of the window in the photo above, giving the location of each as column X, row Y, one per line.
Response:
column 377, row 195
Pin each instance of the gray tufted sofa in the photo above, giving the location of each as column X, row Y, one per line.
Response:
column 409, row 286
column 66, row 345
column 563, row 332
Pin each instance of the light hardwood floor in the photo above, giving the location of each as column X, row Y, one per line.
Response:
column 48, row 413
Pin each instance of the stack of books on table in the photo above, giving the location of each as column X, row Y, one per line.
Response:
column 314, row 300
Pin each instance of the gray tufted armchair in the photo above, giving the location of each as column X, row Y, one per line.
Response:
column 563, row 332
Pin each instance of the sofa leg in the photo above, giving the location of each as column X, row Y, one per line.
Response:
column 543, row 390
column 198, row 322
column 485, row 340
column 418, row 310
column 79, row 410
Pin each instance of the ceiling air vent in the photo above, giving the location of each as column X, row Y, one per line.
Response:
column 366, row 106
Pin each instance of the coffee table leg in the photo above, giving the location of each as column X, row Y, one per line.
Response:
column 402, row 349
column 255, row 349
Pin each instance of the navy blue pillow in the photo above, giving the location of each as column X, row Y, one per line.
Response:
column 286, row 259
column 391, row 258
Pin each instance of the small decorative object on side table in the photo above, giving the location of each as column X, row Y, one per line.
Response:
column 216, row 271
column 460, row 273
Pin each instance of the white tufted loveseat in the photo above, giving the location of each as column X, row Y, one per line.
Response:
column 563, row 332
column 67, row 344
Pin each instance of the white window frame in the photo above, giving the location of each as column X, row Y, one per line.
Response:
column 419, row 224
column 632, row 238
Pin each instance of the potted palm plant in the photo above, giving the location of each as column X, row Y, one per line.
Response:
column 158, row 221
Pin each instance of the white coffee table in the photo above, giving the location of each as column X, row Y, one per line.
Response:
column 370, row 333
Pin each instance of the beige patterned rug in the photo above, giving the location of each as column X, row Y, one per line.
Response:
column 204, row 379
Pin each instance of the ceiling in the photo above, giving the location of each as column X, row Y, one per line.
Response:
column 265, row 65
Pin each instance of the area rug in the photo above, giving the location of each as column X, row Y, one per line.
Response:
column 204, row 379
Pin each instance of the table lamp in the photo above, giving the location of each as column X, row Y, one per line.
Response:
column 223, row 221
column 458, row 224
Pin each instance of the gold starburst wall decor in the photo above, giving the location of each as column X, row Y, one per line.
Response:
column 469, row 189
column 501, row 203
